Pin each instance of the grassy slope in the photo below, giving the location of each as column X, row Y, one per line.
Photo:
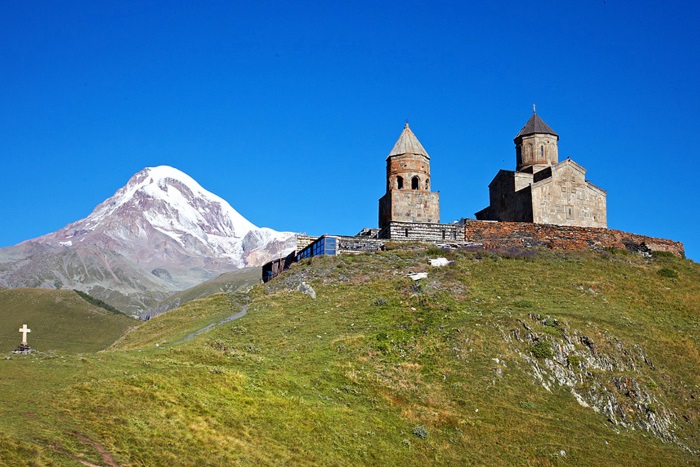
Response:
column 60, row 320
column 231, row 282
column 379, row 370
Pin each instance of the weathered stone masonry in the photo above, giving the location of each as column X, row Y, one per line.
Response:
column 527, row 235
column 408, row 197
column 542, row 189
column 423, row 232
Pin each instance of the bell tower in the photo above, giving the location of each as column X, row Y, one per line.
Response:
column 408, row 197
column 536, row 145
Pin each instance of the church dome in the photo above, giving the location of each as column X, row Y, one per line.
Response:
column 536, row 126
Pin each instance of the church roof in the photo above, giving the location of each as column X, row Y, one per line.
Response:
column 408, row 144
column 535, row 125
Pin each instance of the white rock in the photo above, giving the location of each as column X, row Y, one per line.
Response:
column 307, row 289
column 439, row 262
column 418, row 275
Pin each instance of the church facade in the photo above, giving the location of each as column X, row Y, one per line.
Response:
column 541, row 189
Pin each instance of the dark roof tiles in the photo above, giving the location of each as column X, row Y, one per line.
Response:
column 535, row 125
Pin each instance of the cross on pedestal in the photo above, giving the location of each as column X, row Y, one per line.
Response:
column 24, row 330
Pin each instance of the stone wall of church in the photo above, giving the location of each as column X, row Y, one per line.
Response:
column 538, row 150
column 402, row 170
column 409, row 206
column 507, row 204
column 494, row 235
column 566, row 198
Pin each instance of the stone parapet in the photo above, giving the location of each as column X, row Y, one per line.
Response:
column 420, row 232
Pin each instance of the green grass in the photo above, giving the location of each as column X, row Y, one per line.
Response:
column 229, row 282
column 176, row 325
column 60, row 321
column 377, row 370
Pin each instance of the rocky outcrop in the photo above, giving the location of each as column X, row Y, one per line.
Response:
column 604, row 374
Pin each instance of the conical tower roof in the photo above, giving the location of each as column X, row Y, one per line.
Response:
column 408, row 144
column 534, row 126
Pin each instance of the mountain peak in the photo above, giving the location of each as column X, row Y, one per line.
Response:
column 159, row 233
column 173, row 203
column 164, row 175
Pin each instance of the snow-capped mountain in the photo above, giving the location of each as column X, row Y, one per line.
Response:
column 160, row 233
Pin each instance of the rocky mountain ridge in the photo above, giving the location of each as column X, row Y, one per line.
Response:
column 160, row 233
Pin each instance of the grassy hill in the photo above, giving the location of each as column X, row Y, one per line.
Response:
column 60, row 320
column 230, row 282
column 510, row 358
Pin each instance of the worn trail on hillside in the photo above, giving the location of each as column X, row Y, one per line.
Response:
column 233, row 317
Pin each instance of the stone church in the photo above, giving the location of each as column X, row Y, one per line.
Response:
column 543, row 190
column 408, row 197
column 409, row 210
column 544, row 203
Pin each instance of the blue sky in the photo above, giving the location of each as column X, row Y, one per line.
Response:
column 288, row 109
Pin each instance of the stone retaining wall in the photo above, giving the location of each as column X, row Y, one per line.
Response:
column 524, row 234
column 359, row 245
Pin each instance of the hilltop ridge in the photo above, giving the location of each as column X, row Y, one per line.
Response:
column 513, row 357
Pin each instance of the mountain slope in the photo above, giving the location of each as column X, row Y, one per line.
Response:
column 60, row 320
column 229, row 282
column 515, row 358
column 160, row 233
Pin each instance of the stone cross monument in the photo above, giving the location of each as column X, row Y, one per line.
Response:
column 24, row 330
column 23, row 347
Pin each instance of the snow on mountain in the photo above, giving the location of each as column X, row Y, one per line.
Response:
column 167, row 201
column 160, row 233
column 177, row 205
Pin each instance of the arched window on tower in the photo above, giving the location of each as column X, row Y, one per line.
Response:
column 414, row 183
column 427, row 184
column 542, row 151
column 399, row 183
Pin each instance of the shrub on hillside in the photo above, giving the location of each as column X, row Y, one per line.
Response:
column 663, row 254
column 574, row 360
column 668, row 272
column 97, row 302
column 524, row 304
column 542, row 349
column 435, row 251
column 524, row 254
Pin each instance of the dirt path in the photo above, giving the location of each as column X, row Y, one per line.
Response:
column 233, row 317
column 107, row 458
